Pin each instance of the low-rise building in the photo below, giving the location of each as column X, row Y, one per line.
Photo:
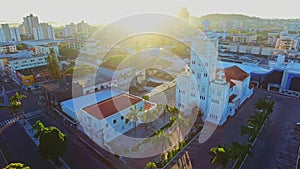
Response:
column 287, row 43
column 5, row 49
column 102, row 115
column 120, row 75
column 57, row 91
column 45, row 49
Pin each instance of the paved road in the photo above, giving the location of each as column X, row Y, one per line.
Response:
column 196, row 154
column 266, row 149
column 23, row 149
column 77, row 155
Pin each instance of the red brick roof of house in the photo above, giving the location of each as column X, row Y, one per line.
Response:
column 111, row 106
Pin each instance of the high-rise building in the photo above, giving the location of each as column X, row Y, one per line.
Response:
column 69, row 30
column 15, row 34
column 82, row 28
column 30, row 22
column 43, row 31
column 9, row 35
column 5, row 28
column 2, row 36
column 22, row 29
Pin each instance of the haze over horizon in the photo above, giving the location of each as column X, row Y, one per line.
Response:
column 103, row 12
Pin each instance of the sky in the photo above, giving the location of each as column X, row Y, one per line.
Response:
column 106, row 11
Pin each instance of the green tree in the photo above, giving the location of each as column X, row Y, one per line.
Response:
column 22, row 46
column 53, row 143
column 38, row 127
column 220, row 156
column 151, row 165
column 53, row 66
column 239, row 151
column 149, row 116
column 16, row 166
column 68, row 53
column 133, row 116
column 162, row 139
column 15, row 104
column 249, row 129
column 181, row 125
column 172, row 109
column 146, row 97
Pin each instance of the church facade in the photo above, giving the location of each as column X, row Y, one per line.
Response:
column 215, row 91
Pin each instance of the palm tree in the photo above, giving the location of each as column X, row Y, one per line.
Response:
column 162, row 139
column 249, row 129
column 172, row 120
column 180, row 123
column 220, row 156
column 171, row 109
column 133, row 116
column 151, row 165
column 149, row 116
column 238, row 151
column 15, row 104
column 257, row 119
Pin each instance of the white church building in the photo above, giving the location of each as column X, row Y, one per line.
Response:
column 217, row 92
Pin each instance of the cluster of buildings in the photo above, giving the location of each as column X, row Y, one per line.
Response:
column 30, row 28
column 98, row 103
column 33, row 28
column 71, row 30
column 9, row 35
column 27, row 68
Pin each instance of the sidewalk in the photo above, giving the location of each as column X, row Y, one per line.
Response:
column 103, row 156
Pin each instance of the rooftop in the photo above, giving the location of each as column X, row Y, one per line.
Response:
column 75, row 104
column 92, row 79
column 234, row 73
column 33, row 71
column 111, row 106
column 62, row 89
column 40, row 42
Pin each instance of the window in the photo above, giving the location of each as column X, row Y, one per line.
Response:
column 106, row 124
column 198, row 76
column 115, row 121
column 122, row 117
column 202, row 97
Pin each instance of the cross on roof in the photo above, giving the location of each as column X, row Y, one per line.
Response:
column 220, row 75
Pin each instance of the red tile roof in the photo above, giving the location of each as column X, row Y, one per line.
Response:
column 231, row 84
column 233, row 73
column 111, row 106
column 148, row 106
